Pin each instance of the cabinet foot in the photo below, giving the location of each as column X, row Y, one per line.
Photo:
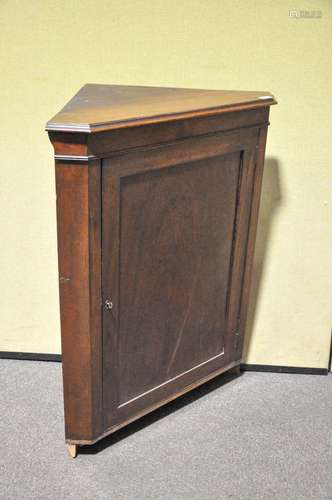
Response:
column 72, row 450
column 235, row 370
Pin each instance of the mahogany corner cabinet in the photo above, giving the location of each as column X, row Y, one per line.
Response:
column 157, row 200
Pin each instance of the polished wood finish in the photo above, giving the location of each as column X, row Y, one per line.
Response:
column 79, row 248
column 106, row 143
column 157, row 204
column 105, row 107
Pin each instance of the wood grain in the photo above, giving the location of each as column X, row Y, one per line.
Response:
column 79, row 249
column 105, row 107
column 157, row 204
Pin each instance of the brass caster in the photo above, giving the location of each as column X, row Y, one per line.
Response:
column 72, row 450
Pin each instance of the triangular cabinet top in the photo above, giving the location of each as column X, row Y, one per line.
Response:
column 104, row 107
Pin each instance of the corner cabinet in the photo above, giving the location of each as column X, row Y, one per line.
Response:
column 157, row 201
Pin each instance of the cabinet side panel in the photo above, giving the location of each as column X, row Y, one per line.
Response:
column 240, row 241
column 256, row 195
column 78, row 214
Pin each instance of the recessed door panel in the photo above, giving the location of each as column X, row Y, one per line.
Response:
column 175, row 248
column 169, row 245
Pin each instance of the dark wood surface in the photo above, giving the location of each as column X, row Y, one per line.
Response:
column 106, row 143
column 103, row 107
column 79, row 249
column 156, row 233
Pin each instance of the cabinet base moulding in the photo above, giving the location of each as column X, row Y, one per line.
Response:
column 232, row 368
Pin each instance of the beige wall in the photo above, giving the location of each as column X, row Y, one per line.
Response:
column 49, row 49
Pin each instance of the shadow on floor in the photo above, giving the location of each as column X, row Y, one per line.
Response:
column 158, row 414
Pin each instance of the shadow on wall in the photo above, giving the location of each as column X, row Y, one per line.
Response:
column 270, row 201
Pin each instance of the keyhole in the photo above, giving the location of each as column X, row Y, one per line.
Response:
column 108, row 304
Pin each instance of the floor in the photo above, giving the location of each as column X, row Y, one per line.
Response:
column 257, row 436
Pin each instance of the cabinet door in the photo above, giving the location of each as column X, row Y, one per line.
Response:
column 174, row 235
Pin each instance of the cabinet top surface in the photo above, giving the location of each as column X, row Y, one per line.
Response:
column 102, row 107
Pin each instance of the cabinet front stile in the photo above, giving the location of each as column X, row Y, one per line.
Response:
column 79, row 256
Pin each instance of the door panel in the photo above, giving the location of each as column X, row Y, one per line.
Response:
column 171, row 269
column 175, row 252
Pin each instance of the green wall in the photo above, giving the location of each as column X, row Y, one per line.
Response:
column 49, row 49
